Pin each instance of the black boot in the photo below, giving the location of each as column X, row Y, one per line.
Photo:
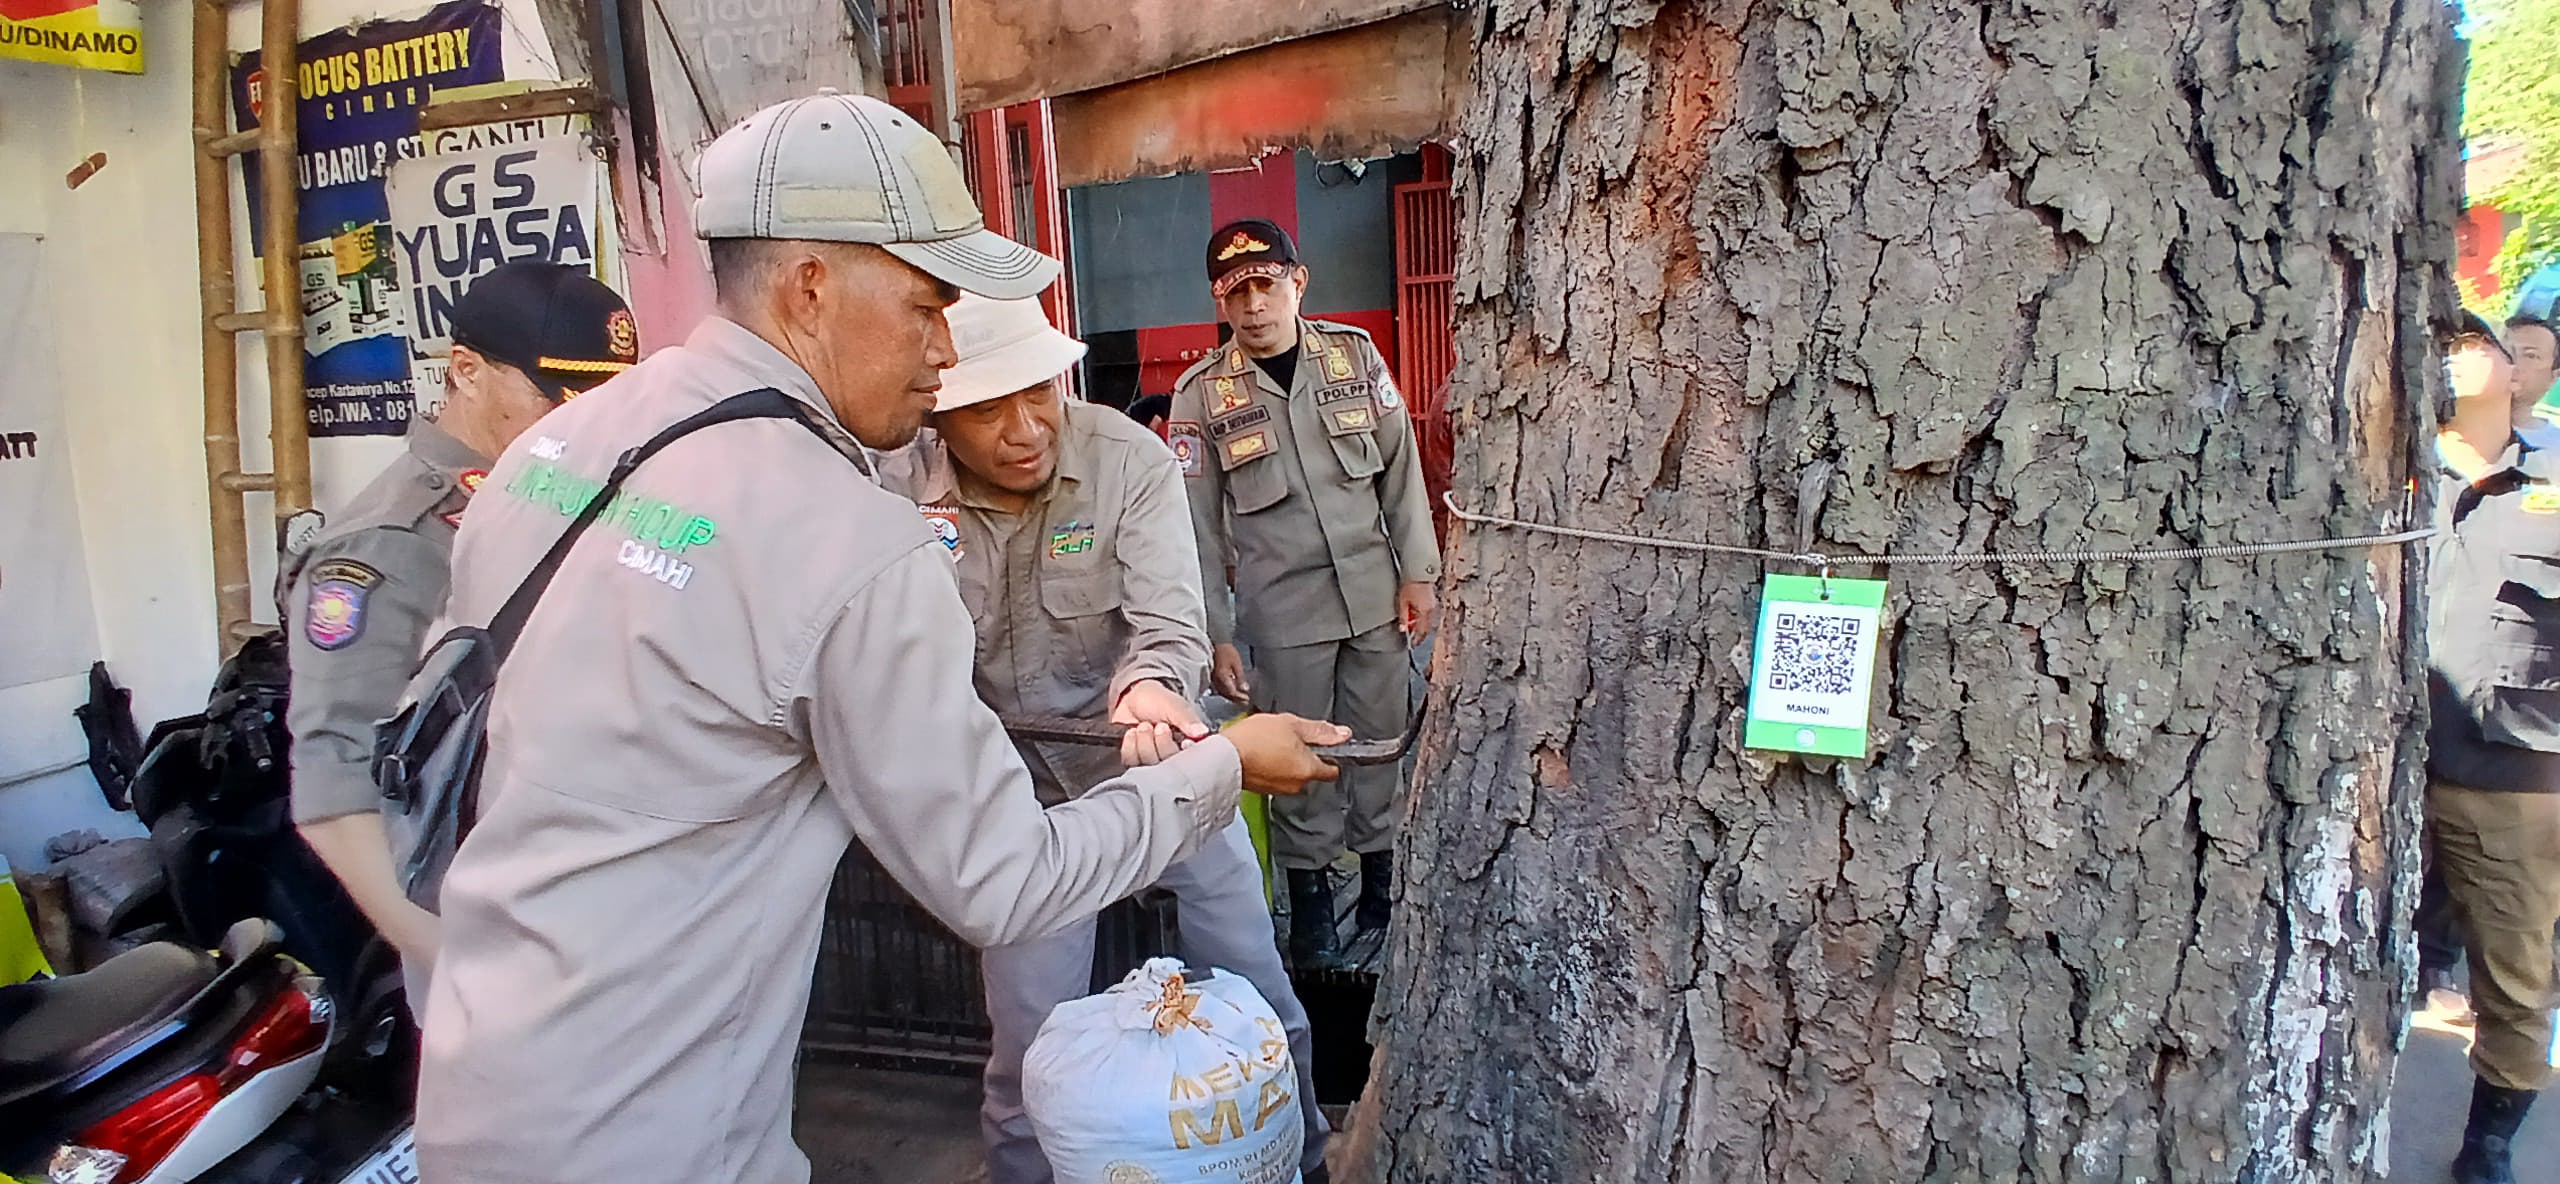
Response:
column 2495, row 1116
column 1314, row 942
column 1377, row 890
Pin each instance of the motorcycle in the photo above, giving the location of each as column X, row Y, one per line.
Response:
column 158, row 1064
column 214, row 789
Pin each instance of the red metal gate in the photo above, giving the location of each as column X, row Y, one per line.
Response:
column 1011, row 158
column 1426, row 348
column 909, row 48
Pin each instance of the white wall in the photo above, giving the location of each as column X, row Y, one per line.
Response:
column 119, row 260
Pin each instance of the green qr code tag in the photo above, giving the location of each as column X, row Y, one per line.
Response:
column 1813, row 665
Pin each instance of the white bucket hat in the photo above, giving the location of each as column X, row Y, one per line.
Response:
column 1004, row 346
column 852, row 169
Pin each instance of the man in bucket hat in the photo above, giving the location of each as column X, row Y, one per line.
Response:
column 1070, row 533
column 756, row 655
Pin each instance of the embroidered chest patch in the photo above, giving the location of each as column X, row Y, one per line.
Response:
column 1229, row 396
column 1248, row 446
column 1337, row 363
column 1075, row 538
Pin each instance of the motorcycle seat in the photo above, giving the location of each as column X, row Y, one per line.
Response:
column 52, row 1030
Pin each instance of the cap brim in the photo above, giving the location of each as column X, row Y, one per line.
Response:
column 983, row 262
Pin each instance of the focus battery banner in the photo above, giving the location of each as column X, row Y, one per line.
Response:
column 360, row 90
column 90, row 34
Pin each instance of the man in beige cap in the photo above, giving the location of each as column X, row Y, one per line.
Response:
column 1070, row 532
column 756, row 655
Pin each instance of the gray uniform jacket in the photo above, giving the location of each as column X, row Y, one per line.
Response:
column 754, row 656
column 1317, row 490
column 1093, row 588
column 356, row 605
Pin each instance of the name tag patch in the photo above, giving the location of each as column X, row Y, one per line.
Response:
column 1229, row 425
column 1347, row 392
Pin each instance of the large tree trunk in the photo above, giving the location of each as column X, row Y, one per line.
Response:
column 2123, row 893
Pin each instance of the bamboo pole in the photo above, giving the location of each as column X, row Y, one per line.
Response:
column 280, row 53
column 221, row 350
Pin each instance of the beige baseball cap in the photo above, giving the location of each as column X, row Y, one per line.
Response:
column 852, row 169
column 1004, row 346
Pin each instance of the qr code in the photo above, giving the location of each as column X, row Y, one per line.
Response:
column 1815, row 653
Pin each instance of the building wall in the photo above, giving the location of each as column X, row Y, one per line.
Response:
column 1137, row 262
column 1142, row 296
column 118, row 258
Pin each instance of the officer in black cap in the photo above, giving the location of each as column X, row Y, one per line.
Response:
column 2493, row 745
column 357, row 593
column 1300, row 460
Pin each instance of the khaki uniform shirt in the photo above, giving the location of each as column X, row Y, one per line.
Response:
column 755, row 655
column 1316, row 490
column 1092, row 588
column 356, row 605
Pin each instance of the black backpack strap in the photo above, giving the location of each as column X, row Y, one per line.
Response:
column 766, row 403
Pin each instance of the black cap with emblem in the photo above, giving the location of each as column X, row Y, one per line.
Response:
column 567, row 332
column 1254, row 247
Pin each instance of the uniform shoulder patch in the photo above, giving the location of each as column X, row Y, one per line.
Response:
column 1207, row 362
column 352, row 571
column 944, row 521
column 298, row 532
column 1188, row 443
column 333, row 607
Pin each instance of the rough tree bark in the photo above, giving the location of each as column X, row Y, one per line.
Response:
column 2122, row 894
